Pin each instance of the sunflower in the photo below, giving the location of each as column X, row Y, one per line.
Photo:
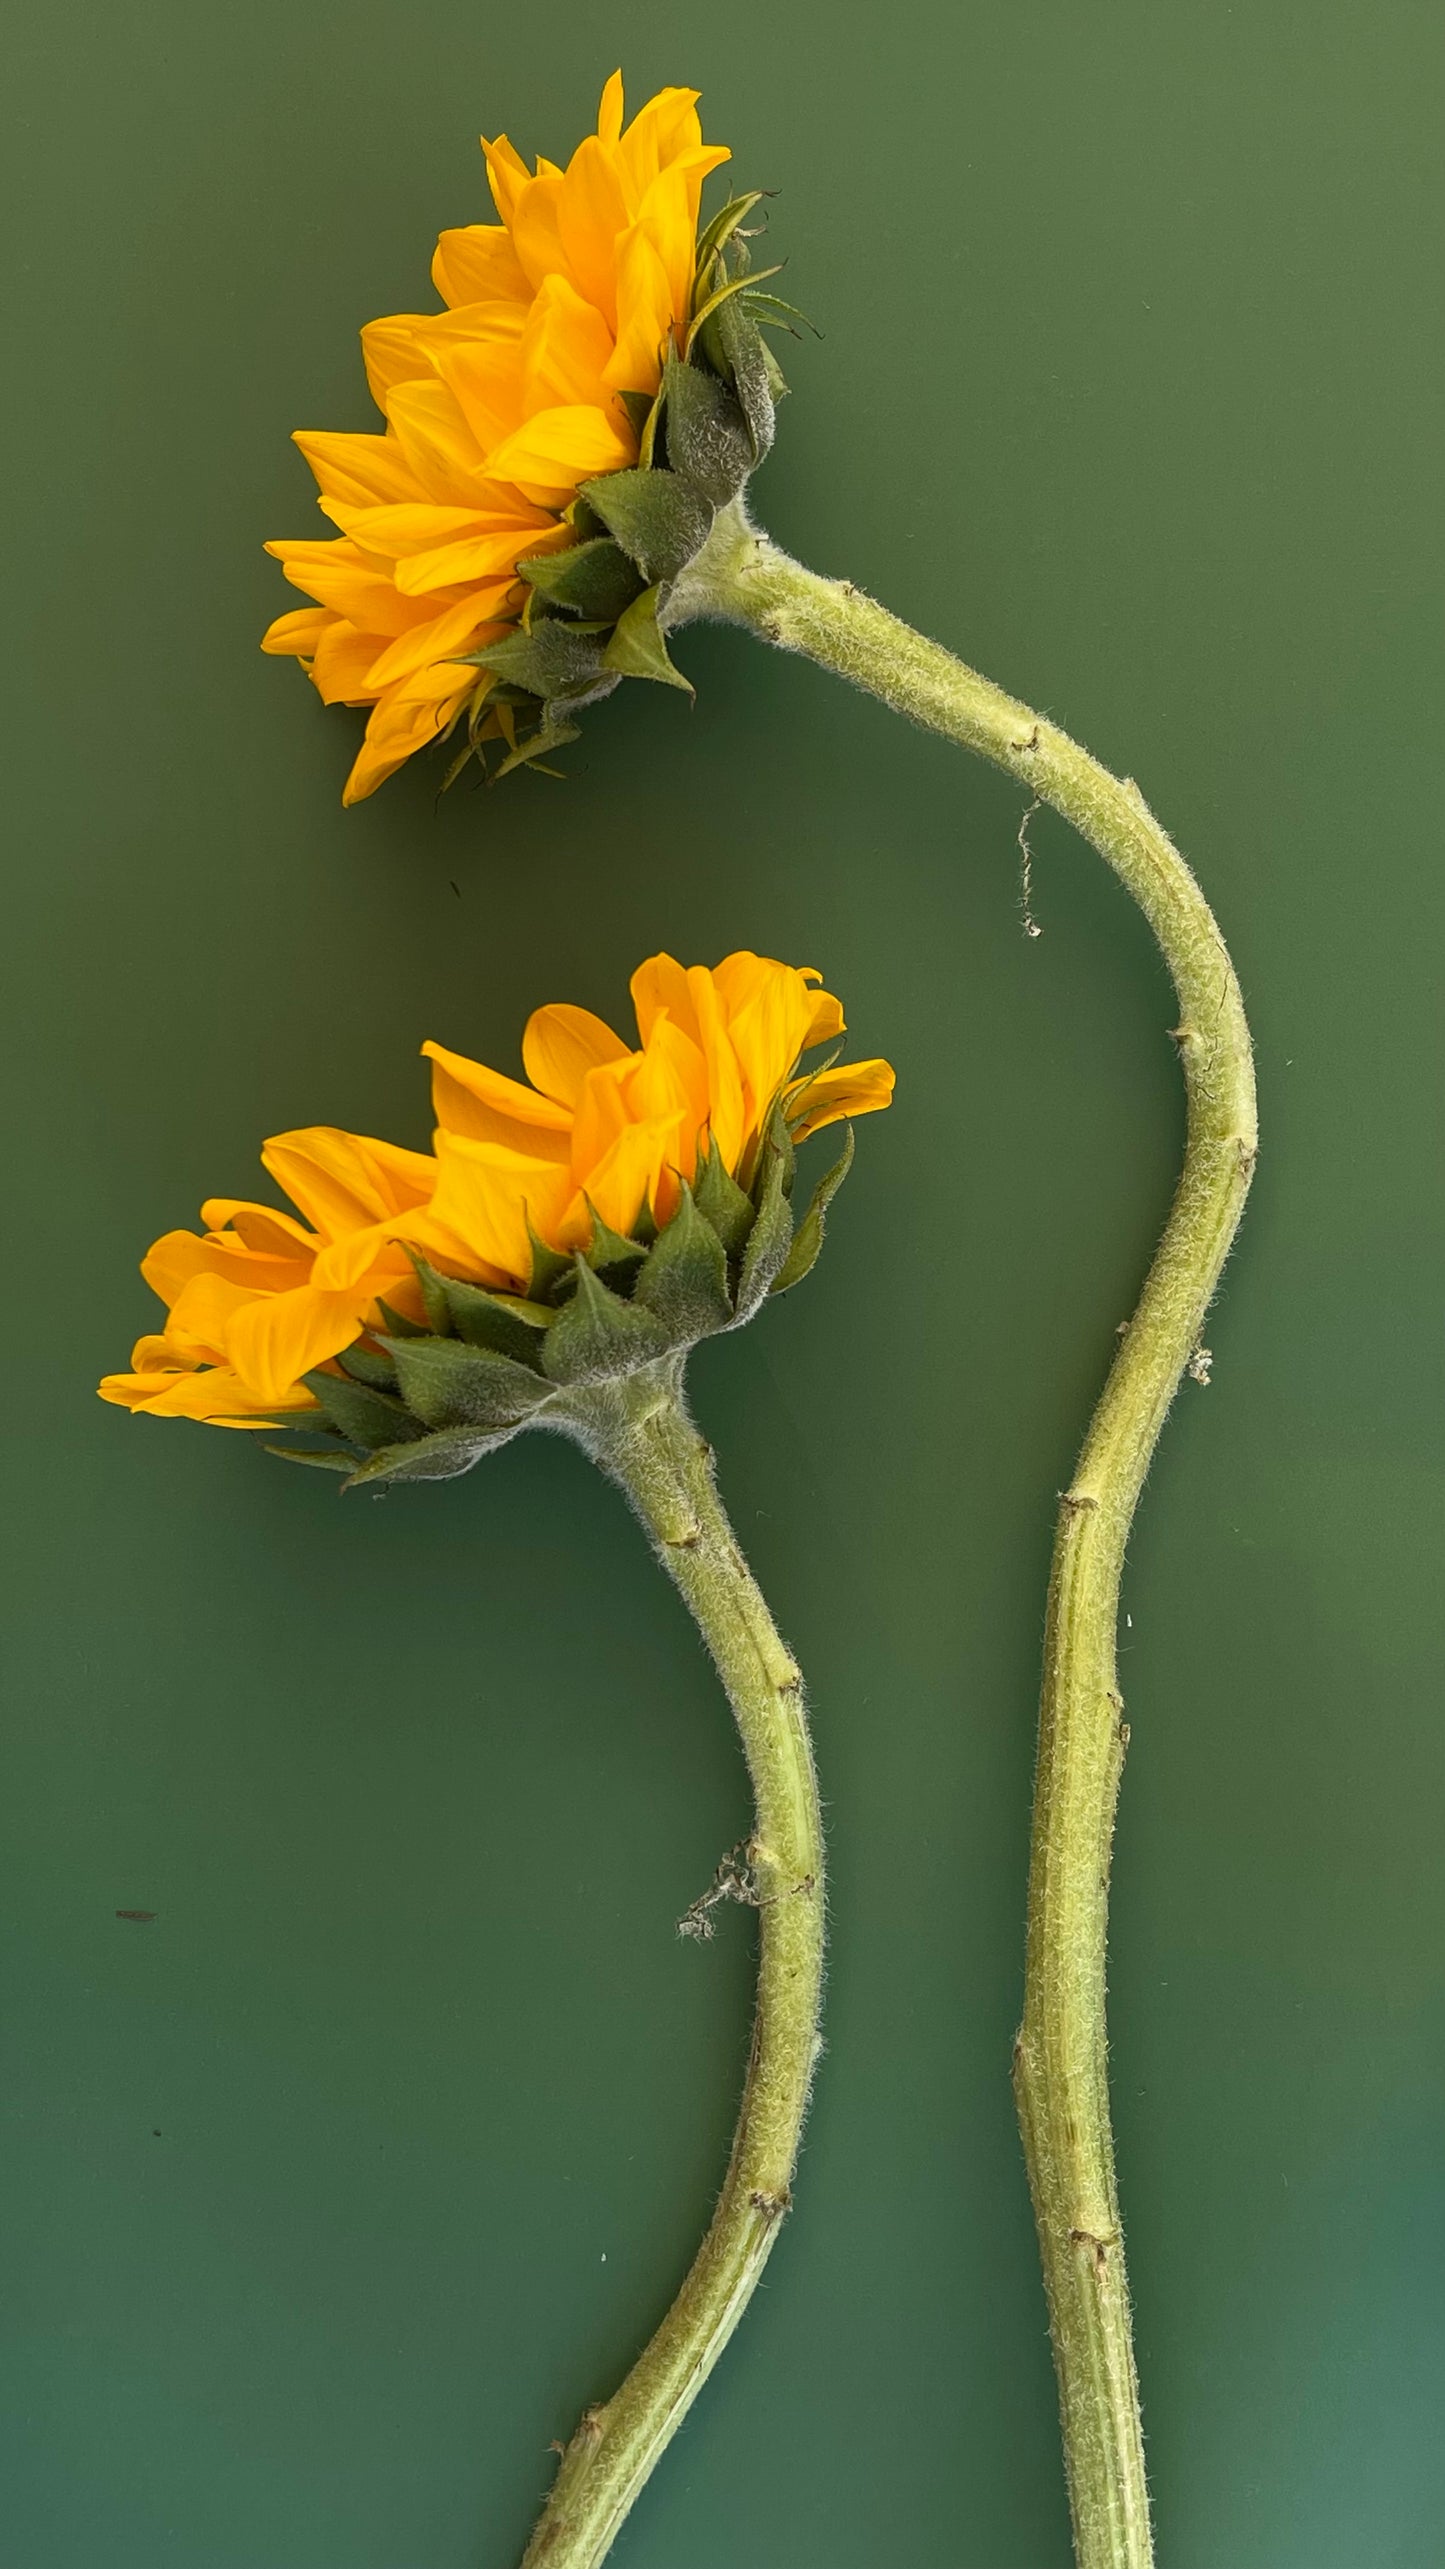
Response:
column 497, row 410
column 598, row 1144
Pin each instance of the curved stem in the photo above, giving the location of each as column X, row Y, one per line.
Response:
column 642, row 1436
column 1061, row 2054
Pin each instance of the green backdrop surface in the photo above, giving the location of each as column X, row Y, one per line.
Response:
column 332, row 2194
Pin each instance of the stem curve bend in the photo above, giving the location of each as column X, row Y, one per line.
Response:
column 643, row 1437
column 1060, row 2061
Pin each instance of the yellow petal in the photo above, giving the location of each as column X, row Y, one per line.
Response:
column 644, row 316
column 171, row 1264
column 560, row 448
column 853, row 1088
column 488, row 1107
column 566, row 350
column 440, row 638
column 153, row 1355
column 484, row 374
column 609, row 114
column 478, row 264
column 393, row 352
column 431, row 686
column 562, row 1044
column 399, row 726
column 669, row 1081
column 202, row 1313
column 826, row 1021
column 601, row 1114
column 436, row 441
column 658, row 986
column 483, row 1198
column 668, row 217
column 362, row 469
column 217, row 1395
column 366, row 1262
column 345, row 1181
column 336, row 574
column 274, row 1341
column 591, row 211
column 769, row 1007
column 507, row 174
column 259, row 1226
column 411, row 526
column 299, row 632
column 489, row 560
column 535, row 229
column 342, row 660
column 666, row 127
column 727, row 1105
column 630, row 1174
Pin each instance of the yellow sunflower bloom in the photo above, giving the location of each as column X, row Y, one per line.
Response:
column 497, row 410
column 599, row 1132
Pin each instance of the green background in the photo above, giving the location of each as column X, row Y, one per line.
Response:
column 332, row 2195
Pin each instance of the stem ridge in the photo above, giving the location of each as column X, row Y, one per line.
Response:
column 1060, row 2057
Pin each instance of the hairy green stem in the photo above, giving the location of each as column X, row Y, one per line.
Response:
column 1061, row 2066
column 641, row 1434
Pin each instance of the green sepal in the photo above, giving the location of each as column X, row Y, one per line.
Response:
column 772, row 313
column 320, row 1458
column 772, row 1232
column 548, row 1266
column 637, row 648
column 729, row 292
column 595, row 580
column 456, row 1309
column 735, row 349
column 449, row 1384
column 584, row 521
column 480, row 1320
column 608, row 1252
column 553, row 661
column 365, row 1366
column 719, row 231
column 361, row 1415
column 637, row 406
column 727, row 1206
column 777, row 380
column 537, row 1315
column 433, row 1297
column 684, row 1279
column 808, row 1238
column 707, row 436
column 538, row 745
column 459, row 764
column 662, row 519
column 431, row 1458
column 599, row 1336
column 398, row 1323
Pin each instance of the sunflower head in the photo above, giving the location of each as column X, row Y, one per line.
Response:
column 568, row 1235
column 557, row 443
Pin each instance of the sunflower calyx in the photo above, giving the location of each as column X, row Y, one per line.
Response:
column 425, row 1400
column 596, row 612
